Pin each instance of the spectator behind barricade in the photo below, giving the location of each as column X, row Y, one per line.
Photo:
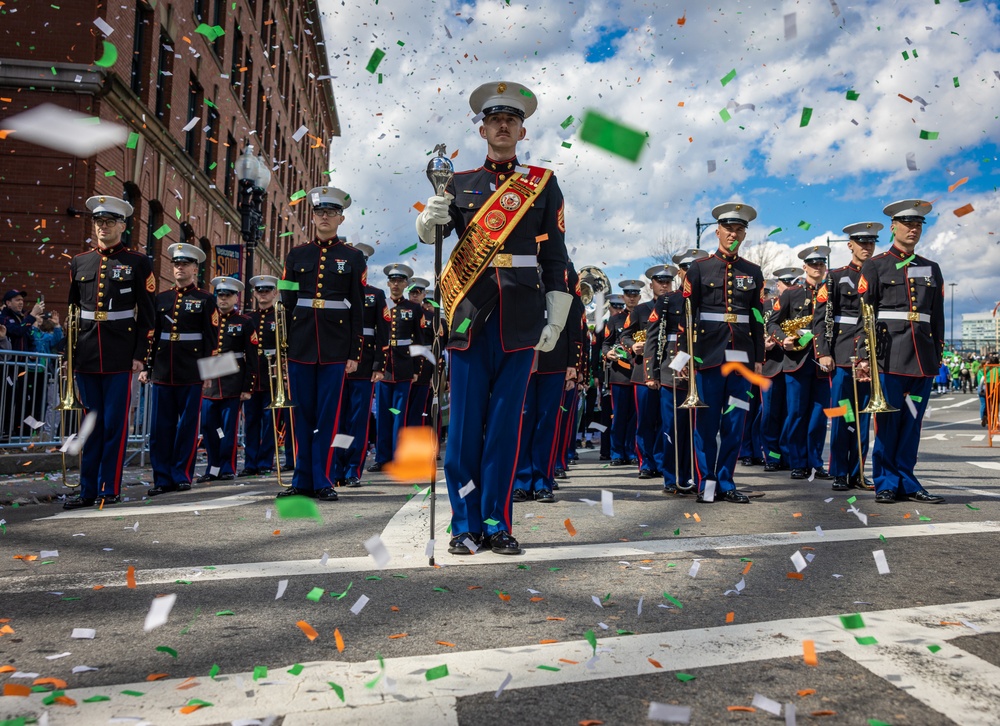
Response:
column 982, row 384
column 49, row 338
column 21, row 386
column 4, row 340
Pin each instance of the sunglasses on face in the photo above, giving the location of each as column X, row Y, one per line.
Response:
column 263, row 289
column 224, row 293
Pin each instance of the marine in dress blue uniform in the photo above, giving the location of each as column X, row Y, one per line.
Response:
column 906, row 292
column 773, row 399
column 359, row 387
column 725, row 292
column 114, row 289
column 837, row 327
column 223, row 395
column 510, row 222
column 621, row 365
column 807, row 383
column 418, row 408
column 569, row 419
column 185, row 330
column 322, row 290
column 604, row 369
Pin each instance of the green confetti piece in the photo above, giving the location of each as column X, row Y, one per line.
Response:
column 286, row 234
column 905, row 262
column 804, row 225
column 728, row 410
column 728, row 77
column 224, row 612
column 554, row 569
column 133, row 140
column 259, row 672
column 432, row 674
column 955, row 81
column 882, row 538
column 567, row 145
column 166, row 649
column 773, row 455
column 341, row 595
column 757, row 316
column 906, row 55
column 296, row 669
column 916, row 399
column 677, row 531
column 933, row 648
column 297, row 507
column 725, row 115
column 379, row 80
column 211, row 167
column 974, row 509
column 612, row 136
column 853, row 95
column 300, row 194
column 212, row 32
column 394, row 411
column 684, row 677
column 697, row 360
column 524, row 567
column 50, row 699
column 108, row 57
column 463, row 326
column 376, row 58
column 441, row 589
column 852, row 500
column 214, row 671
column 624, row 632
column 408, row 250
column 373, row 577
column 924, row 518
column 136, row 694
column 400, row 43
column 806, row 116
column 288, row 285
column 548, row 668
column 315, row 594
column 491, row 522
column 162, row 232
column 852, row 622
column 96, row 699
column 774, row 231
column 865, row 640
column 401, row 576
column 182, row 582
column 336, row 689
column 199, row 702
column 177, row 213
column 805, row 338
column 672, row 599
column 567, row 122
column 929, row 135
column 875, row 721
column 592, row 639
column 734, row 245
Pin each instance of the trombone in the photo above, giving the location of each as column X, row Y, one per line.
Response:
column 68, row 401
column 277, row 370
column 878, row 404
column 692, row 401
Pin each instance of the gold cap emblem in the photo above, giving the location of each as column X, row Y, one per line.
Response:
column 502, row 88
column 738, row 207
column 101, row 200
column 868, row 226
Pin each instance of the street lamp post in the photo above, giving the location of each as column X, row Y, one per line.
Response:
column 698, row 227
column 952, row 286
column 254, row 179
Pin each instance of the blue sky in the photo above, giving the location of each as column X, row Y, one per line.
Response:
column 633, row 61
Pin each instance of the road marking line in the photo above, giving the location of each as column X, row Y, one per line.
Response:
column 186, row 507
column 937, row 680
column 412, row 560
column 985, row 464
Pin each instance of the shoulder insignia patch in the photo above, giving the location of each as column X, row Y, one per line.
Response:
column 253, row 337
column 687, row 287
column 822, row 296
column 151, row 283
column 561, row 218
column 653, row 317
column 862, row 285
column 215, row 318
column 386, row 314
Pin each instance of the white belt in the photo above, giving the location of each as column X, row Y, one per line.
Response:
column 725, row 318
column 238, row 355
column 402, row 341
column 180, row 336
column 101, row 315
column 328, row 304
column 368, row 331
column 848, row 319
column 269, row 351
column 672, row 337
column 505, row 260
column 912, row 317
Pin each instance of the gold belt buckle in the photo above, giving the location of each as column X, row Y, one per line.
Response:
column 729, row 317
column 913, row 317
column 503, row 260
column 319, row 303
column 100, row 315
column 174, row 337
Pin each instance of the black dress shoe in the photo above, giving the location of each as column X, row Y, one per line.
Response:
column 746, row 461
column 647, row 474
column 618, row 462
column 328, row 494
column 377, row 466
column 772, row 466
column 162, row 489
column 249, row 471
column 503, row 543
column 604, row 458
column 822, row 473
column 886, row 496
column 226, row 477
column 206, row 477
column 78, row 503
column 545, row 495
column 559, row 474
column 800, row 474
column 520, row 495
column 588, row 444
column 735, row 497
column 555, row 485
column 633, row 462
column 185, row 487
column 925, row 497
column 265, row 472
column 670, row 490
column 859, row 482
column 109, row 499
column 457, row 546
column 353, row 482
column 758, row 461
column 292, row 492
column 840, row 484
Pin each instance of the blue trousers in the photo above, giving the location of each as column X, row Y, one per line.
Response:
column 622, row 421
column 752, row 444
column 419, row 405
column 566, row 439
column 806, row 395
column 488, row 386
column 356, row 406
column 717, row 460
column 316, row 390
column 681, row 464
column 536, row 454
column 843, row 435
column 647, row 429
column 220, row 414
column 772, row 414
column 173, row 439
column 897, row 435
column 387, row 423
column 108, row 395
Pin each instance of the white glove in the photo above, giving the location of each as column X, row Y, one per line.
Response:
column 557, row 310
column 435, row 213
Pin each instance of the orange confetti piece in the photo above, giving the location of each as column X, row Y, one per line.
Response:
column 809, row 653
column 397, row 636
column 130, row 577
column 696, row 517
column 735, row 365
column 824, row 713
column 730, row 616
column 797, row 514
column 475, row 587
column 746, row 709
column 416, row 454
column 747, row 568
column 157, row 676
column 795, row 576
column 15, row 689
column 57, row 683
column 948, row 622
column 64, row 700
column 570, row 528
column 445, row 643
column 190, row 709
column 419, row 206
column 957, row 184
column 541, row 238
column 654, row 663
column 394, row 609
column 806, row 692
column 907, row 515
column 276, row 533
column 98, row 587
column 536, row 599
column 547, row 641
column 7, row 669
column 454, row 154
column 905, row 98
column 189, row 683
column 682, row 19
column 7, row 630
column 591, row 722
column 339, row 640
column 552, row 618
column 687, row 515
column 836, row 412
column 962, row 211
column 503, row 596
column 680, row 104
column 310, row 631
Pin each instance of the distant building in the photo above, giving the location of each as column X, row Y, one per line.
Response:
column 981, row 332
column 192, row 99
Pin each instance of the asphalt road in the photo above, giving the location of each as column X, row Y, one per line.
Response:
column 666, row 603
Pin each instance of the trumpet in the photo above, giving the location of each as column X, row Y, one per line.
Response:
column 68, row 400
column 277, row 373
column 878, row 404
column 692, row 400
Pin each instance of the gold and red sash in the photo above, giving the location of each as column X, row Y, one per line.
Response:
column 486, row 234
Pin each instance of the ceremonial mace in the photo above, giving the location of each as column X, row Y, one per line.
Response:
column 440, row 171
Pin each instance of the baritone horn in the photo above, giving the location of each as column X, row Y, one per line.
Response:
column 68, row 401
column 878, row 404
column 277, row 376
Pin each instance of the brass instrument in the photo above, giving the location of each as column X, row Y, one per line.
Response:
column 692, row 400
column 791, row 329
column 594, row 284
column 68, row 401
column 878, row 404
column 857, row 420
column 639, row 336
column 277, row 375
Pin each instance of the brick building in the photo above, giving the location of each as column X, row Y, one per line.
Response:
column 259, row 81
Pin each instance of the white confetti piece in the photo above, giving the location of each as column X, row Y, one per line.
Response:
column 680, row 360
column 34, row 423
column 299, row 133
column 607, row 503
column 83, row 633
column 159, row 612
column 880, row 562
column 819, row 531
column 282, row 586
column 376, row 548
column 709, row 494
column 429, row 549
column 473, row 547
column 103, row 26
column 736, row 356
column 598, row 427
column 74, row 444
column 973, row 626
column 358, row 606
column 667, row 713
column 267, row 513
column 639, row 608
column 57, row 656
column 506, row 682
column 766, row 704
column 63, row 130
column 44, row 554
column 466, row 490
column 799, row 561
column 83, row 669
column 911, row 406
column 324, row 559
column 695, row 566
column 911, row 161
column 602, row 626
column 217, row 366
column 191, row 124
column 597, row 601
column 342, row 441
column 790, row 714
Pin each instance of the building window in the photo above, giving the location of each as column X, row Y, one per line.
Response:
column 133, row 196
column 212, row 142
column 141, row 48
column 154, row 222
column 235, row 74
column 219, row 20
column 229, row 172
column 164, row 76
column 196, row 98
column 200, row 9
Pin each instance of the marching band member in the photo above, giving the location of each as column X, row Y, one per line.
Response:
column 509, row 219
column 114, row 289
column 603, row 369
column 623, row 419
column 772, row 402
column 418, row 408
column 569, row 419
